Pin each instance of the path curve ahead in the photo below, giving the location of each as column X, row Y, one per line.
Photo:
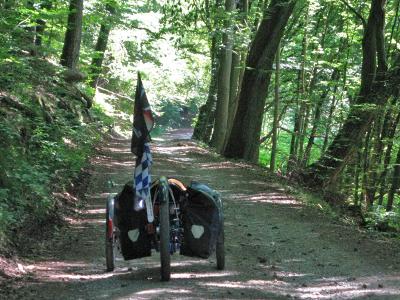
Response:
column 277, row 248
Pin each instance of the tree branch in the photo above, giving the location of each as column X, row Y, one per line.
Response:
column 269, row 134
column 353, row 10
column 115, row 94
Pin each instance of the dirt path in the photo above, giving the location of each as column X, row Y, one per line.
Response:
column 276, row 247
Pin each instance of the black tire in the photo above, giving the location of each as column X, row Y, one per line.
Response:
column 165, row 254
column 110, row 239
column 220, row 250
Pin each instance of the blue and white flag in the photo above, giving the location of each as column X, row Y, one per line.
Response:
column 143, row 122
column 142, row 182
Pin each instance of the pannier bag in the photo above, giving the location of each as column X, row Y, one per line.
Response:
column 134, row 239
column 202, row 221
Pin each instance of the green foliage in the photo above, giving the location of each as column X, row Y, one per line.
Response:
column 284, row 151
column 379, row 218
column 39, row 157
column 175, row 79
column 324, row 42
column 31, row 172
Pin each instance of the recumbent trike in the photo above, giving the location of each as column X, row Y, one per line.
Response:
column 187, row 219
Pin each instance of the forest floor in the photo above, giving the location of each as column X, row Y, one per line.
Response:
column 277, row 247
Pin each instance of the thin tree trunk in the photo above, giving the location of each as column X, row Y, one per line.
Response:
column 304, row 102
column 41, row 24
column 329, row 120
column 303, row 131
column 322, row 98
column 296, row 143
column 317, row 116
column 395, row 183
column 275, row 123
column 356, row 180
column 8, row 4
column 101, row 45
column 315, row 125
column 376, row 158
column 395, row 23
column 292, row 163
column 237, row 70
column 392, row 124
column 72, row 42
column 269, row 134
column 224, row 85
column 205, row 121
column 335, row 98
column 32, row 30
column 366, row 161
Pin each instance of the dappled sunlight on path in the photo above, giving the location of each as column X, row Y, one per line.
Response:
column 276, row 247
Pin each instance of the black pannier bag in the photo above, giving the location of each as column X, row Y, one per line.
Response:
column 134, row 239
column 202, row 221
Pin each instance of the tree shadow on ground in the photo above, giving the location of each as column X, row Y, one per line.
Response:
column 276, row 247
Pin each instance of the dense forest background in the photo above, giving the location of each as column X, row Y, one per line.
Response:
column 307, row 88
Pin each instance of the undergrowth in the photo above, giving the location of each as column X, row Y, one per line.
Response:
column 43, row 154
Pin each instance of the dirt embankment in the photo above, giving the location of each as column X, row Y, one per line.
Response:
column 277, row 248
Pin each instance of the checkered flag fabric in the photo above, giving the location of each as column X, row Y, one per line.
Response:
column 143, row 123
column 142, row 174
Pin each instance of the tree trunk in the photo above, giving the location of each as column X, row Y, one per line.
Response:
column 237, row 70
column 275, row 123
column 356, row 179
column 313, row 82
column 243, row 141
column 101, row 46
column 366, row 161
column 72, row 42
column 303, row 99
column 375, row 159
column 224, row 85
column 393, row 30
column 329, row 120
column 325, row 171
column 8, row 4
column 205, row 122
column 395, row 183
column 317, row 118
column 294, row 141
column 390, row 126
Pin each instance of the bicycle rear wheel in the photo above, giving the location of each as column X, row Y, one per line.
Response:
column 220, row 250
column 110, row 238
column 165, row 254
